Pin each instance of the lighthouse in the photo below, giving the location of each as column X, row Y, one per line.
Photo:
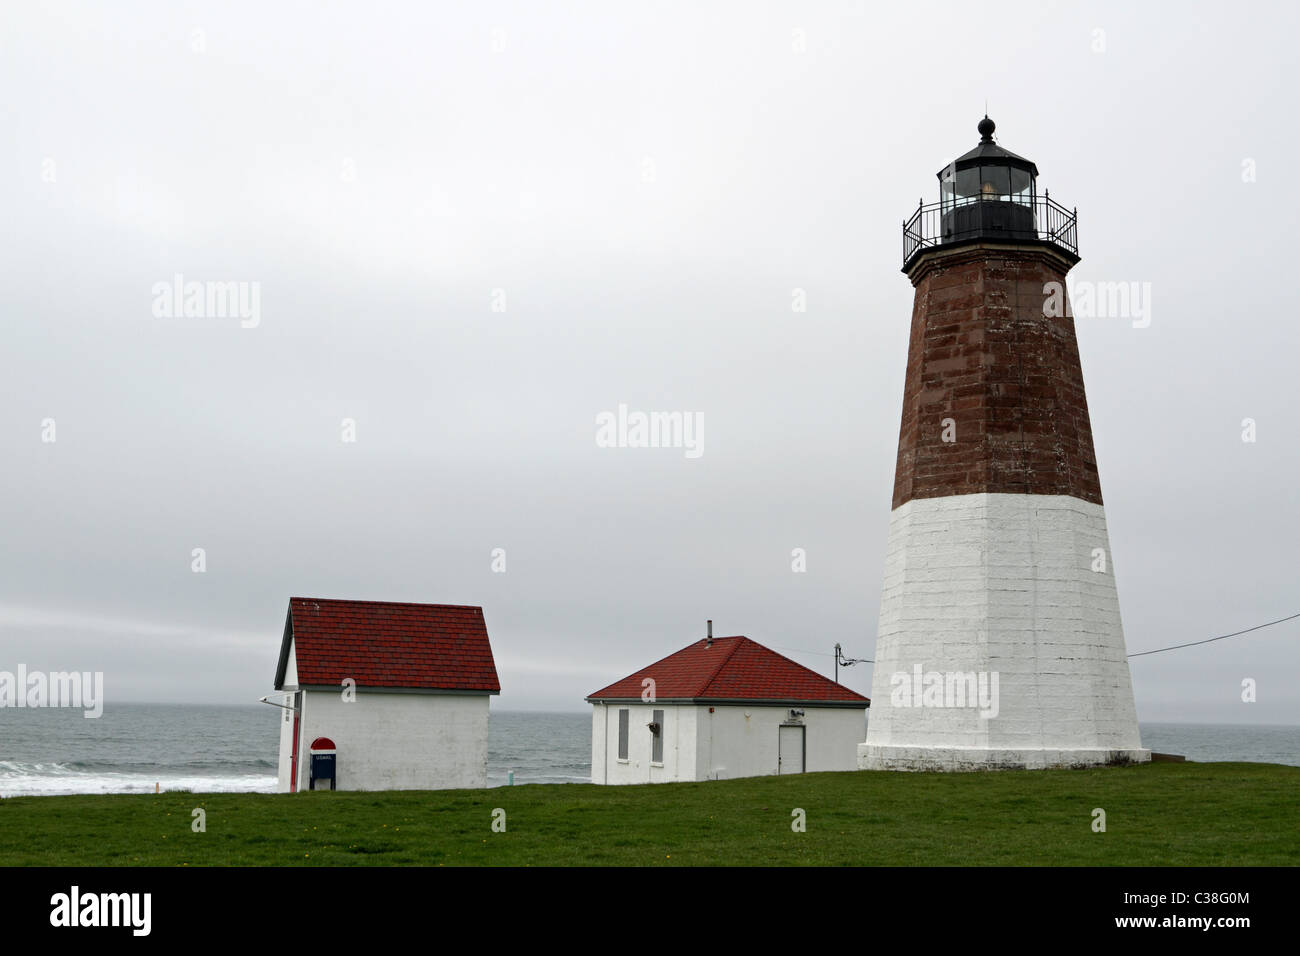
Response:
column 999, row 643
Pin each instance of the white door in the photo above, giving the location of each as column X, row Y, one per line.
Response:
column 790, row 750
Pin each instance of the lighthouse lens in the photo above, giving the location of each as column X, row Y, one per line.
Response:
column 996, row 182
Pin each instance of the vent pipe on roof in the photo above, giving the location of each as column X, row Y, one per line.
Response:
column 709, row 642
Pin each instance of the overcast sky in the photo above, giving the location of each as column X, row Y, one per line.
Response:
column 642, row 187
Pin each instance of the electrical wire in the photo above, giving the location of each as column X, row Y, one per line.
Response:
column 1210, row 640
column 1158, row 650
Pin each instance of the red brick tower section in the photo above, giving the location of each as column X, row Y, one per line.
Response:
column 989, row 371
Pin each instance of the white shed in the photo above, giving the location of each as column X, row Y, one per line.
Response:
column 387, row 696
column 719, row 708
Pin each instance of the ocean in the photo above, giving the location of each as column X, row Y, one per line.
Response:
column 208, row 749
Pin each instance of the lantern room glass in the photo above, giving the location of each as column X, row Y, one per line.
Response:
column 1022, row 186
column 991, row 183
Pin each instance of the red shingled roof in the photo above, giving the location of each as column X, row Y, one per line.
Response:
column 386, row 644
column 734, row 668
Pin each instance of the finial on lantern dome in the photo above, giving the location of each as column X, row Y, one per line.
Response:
column 986, row 128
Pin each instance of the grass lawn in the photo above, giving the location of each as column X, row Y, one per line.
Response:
column 1166, row 814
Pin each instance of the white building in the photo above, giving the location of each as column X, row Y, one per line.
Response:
column 721, row 708
column 397, row 693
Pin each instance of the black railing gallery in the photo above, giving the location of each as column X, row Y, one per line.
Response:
column 1039, row 218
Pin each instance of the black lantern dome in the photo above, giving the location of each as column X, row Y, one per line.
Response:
column 989, row 194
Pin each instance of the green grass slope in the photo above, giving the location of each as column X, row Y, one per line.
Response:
column 1169, row 814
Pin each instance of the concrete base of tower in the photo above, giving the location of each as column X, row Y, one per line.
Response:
column 893, row 757
column 1000, row 643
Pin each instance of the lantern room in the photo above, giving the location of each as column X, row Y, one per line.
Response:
column 988, row 191
column 989, row 194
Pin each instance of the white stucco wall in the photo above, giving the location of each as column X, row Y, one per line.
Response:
column 679, row 744
column 1003, row 583
column 291, row 667
column 286, row 742
column 733, row 741
column 286, row 721
column 742, row 741
column 394, row 741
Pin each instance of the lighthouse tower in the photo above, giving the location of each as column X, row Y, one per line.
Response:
column 1000, row 644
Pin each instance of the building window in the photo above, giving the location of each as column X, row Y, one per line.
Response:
column 622, row 733
column 657, row 740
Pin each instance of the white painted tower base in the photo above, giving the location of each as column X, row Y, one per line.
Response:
column 1000, row 585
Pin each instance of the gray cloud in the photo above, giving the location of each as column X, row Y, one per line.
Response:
column 647, row 187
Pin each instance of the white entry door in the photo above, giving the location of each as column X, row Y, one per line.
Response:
column 790, row 749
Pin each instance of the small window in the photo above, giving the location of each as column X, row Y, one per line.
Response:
column 622, row 733
column 657, row 744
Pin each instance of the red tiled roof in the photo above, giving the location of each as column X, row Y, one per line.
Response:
column 386, row 644
column 734, row 668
